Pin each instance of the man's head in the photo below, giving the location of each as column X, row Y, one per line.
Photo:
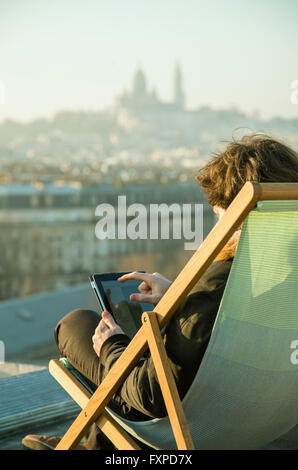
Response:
column 253, row 158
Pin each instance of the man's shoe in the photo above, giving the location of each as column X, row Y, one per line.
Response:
column 35, row 442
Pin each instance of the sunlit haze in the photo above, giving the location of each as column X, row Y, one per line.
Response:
column 72, row 54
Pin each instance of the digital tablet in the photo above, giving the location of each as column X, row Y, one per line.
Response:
column 114, row 296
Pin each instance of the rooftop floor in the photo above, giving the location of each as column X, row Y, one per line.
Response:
column 14, row 442
column 34, row 403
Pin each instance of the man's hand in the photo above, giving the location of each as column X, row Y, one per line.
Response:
column 151, row 289
column 107, row 327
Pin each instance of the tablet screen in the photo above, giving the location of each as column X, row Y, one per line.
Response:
column 117, row 291
column 116, row 298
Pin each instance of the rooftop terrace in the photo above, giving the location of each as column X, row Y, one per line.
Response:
column 36, row 404
column 31, row 401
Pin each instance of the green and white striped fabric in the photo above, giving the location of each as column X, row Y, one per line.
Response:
column 245, row 393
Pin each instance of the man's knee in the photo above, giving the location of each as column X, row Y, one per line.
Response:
column 75, row 326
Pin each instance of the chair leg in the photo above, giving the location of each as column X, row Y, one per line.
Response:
column 114, row 432
column 167, row 382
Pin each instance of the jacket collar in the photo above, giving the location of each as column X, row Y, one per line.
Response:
column 229, row 250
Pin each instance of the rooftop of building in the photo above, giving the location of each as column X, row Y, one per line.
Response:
column 28, row 411
column 31, row 401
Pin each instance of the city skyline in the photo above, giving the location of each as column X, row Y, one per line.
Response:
column 59, row 55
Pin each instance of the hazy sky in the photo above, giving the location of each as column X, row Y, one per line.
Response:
column 79, row 54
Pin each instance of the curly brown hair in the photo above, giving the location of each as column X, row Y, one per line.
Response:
column 257, row 157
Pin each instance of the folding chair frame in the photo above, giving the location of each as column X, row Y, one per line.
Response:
column 149, row 334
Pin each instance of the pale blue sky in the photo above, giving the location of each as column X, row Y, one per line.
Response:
column 58, row 54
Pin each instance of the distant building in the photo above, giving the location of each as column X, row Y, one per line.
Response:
column 179, row 97
column 139, row 98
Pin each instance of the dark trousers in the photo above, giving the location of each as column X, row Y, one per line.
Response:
column 73, row 336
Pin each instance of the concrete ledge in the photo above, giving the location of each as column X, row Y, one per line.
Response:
column 10, row 369
column 28, row 323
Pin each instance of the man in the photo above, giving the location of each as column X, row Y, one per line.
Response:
column 93, row 348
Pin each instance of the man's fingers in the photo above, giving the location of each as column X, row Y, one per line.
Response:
column 144, row 288
column 135, row 275
column 100, row 328
column 108, row 319
column 143, row 298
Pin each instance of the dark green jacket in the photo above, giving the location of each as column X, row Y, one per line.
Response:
column 186, row 337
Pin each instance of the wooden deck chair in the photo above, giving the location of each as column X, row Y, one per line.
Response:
column 245, row 393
